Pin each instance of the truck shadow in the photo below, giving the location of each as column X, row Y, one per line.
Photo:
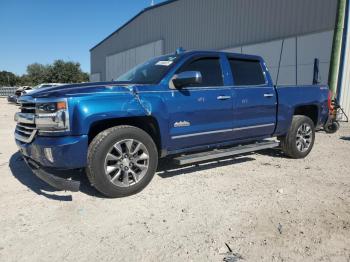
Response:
column 23, row 174
column 272, row 153
column 166, row 169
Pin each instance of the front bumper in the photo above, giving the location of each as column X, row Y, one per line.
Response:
column 63, row 153
column 67, row 152
column 54, row 181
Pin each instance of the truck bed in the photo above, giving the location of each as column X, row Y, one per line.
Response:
column 290, row 98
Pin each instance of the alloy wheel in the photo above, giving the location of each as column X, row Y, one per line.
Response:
column 127, row 162
column 304, row 137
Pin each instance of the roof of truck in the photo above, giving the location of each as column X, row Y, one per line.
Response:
column 216, row 52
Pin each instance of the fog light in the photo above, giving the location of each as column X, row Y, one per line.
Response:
column 48, row 154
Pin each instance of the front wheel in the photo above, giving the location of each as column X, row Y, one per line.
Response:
column 300, row 138
column 122, row 161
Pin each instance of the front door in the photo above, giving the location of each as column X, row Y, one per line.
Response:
column 201, row 114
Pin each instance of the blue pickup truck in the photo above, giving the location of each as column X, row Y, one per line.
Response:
column 193, row 106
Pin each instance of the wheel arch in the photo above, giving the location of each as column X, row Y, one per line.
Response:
column 149, row 124
column 311, row 111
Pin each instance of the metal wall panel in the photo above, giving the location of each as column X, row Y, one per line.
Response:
column 298, row 57
column 217, row 24
column 96, row 77
column 119, row 63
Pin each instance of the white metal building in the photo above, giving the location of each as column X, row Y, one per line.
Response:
column 344, row 88
column 298, row 31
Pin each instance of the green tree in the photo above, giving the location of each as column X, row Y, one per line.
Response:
column 8, row 78
column 24, row 80
column 37, row 73
column 66, row 72
column 58, row 72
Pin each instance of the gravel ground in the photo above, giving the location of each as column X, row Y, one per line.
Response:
column 264, row 206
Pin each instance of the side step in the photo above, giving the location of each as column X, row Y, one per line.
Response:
column 218, row 153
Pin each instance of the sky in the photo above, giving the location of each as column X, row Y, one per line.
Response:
column 45, row 30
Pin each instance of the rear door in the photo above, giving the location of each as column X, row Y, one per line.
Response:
column 201, row 114
column 254, row 112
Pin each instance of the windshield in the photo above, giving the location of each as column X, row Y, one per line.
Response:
column 150, row 72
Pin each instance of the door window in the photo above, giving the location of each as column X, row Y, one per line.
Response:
column 210, row 69
column 247, row 72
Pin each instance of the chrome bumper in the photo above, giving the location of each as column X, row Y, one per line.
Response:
column 26, row 118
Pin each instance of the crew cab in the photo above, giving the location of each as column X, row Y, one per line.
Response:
column 192, row 106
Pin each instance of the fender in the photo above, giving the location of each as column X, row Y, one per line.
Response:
column 292, row 97
column 88, row 110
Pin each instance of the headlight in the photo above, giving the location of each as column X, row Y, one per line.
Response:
column 52, row 116
column 52, row 107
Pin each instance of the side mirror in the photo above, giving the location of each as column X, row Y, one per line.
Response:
column 187, row 78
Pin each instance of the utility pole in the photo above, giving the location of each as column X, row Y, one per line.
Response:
column 336, row 49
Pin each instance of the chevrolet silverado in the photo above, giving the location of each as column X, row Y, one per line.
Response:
column 192, row 105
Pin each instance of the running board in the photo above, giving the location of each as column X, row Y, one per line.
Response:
column 218, row 153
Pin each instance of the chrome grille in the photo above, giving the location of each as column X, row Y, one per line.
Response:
column 26, row 128
column 28, row 108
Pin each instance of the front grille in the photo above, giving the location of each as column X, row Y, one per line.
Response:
column 26, row 128
column 28, row 108
column 24, row 133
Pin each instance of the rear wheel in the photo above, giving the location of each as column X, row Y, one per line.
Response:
column 300, row 138
column 121, row 161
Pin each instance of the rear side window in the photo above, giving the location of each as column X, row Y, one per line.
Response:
column 210, row 69
column 247, row 72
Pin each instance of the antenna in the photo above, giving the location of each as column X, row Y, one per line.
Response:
column 316, row 78
column 279, row 63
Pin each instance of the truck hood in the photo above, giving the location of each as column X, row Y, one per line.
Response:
column 81, row 89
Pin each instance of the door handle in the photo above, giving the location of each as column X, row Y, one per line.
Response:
column 223, row 97
column 268, row 95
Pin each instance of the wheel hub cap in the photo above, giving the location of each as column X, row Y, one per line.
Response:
column 127, row 162
column 304, row 137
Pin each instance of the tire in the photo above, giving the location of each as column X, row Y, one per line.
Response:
column 294, row 143
column 332, row 128
column 114, row 169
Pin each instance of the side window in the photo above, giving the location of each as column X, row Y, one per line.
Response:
column 247, row 72
column 210, row 69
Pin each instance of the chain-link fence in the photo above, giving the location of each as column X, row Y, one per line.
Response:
column 6, row 91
